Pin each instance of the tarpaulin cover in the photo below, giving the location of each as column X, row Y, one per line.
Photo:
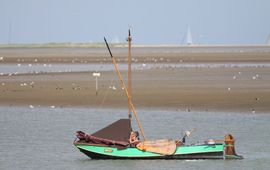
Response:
column 163, row 146
column 117, row 131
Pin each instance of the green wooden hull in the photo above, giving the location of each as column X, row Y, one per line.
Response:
column 204, row 151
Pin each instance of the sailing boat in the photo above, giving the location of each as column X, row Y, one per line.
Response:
column 114, row 141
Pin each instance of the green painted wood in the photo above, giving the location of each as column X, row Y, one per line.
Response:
column 199, row 149
column 110, row 151
column 134, row 152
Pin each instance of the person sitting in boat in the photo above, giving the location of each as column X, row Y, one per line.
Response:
column 186, row 134
column 134, row 138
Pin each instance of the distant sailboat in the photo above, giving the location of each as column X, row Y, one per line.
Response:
column 189, row 37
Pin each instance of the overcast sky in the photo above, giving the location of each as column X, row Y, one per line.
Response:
column 151, row 21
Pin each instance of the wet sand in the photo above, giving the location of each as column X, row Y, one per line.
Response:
column 234, row 89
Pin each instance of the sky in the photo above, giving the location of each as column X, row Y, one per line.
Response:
column 151, row 21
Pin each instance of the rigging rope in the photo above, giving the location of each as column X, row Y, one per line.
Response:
column 127, row 93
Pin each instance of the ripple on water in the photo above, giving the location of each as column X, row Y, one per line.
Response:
column 41, row 137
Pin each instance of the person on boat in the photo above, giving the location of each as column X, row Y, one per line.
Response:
column 186, row 134
column 134, row 138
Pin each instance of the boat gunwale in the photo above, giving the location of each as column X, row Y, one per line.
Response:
column 103, row 145
column 90, row 144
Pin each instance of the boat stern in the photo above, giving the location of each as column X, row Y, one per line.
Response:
column 229, row 148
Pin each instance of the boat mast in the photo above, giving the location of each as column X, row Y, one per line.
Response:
column 129, row 39
column 125, row 88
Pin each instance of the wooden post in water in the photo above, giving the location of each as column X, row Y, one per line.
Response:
column 96, row 74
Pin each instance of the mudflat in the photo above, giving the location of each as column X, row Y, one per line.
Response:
column 223, row 79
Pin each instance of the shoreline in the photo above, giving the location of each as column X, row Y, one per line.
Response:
column 119, row 45
column 123, row 108
column 139, row 54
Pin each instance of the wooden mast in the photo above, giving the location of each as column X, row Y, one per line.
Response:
column 125, row 88
column 129, row 39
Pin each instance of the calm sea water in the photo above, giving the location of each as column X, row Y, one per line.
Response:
column 41, row 138
column 13, row 69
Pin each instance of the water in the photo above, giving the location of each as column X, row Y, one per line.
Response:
column 13, row 69
column 41, row 138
